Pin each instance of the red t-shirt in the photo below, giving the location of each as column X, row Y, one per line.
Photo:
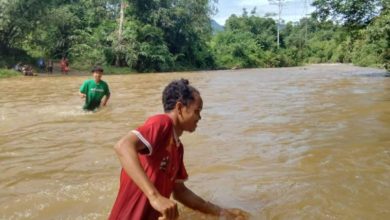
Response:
column 163, row 164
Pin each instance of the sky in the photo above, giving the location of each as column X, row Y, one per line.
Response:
column 292, row 10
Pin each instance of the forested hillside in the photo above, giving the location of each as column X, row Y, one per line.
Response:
column 167, row 35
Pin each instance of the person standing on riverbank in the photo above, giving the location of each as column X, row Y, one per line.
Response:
column 93, row 90
column 152, row 162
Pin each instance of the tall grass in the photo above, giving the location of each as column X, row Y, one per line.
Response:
column 4, row 73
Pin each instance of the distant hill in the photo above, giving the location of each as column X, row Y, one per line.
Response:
column 216, row 27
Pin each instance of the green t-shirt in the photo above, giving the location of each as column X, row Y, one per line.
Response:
column 94, row 93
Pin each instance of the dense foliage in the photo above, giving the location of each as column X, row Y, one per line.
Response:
column 338, row 31
column 165, row 35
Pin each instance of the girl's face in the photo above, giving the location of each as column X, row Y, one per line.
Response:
column 190, row 114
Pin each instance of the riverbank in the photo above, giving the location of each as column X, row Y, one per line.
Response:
column 6, row 73
column 78, row 70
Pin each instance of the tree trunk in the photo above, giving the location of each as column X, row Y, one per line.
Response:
column 121, row 18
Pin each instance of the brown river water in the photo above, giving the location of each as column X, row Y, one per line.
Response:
column 292, row 143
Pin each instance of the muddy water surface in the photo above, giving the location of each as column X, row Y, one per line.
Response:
column 292, row 143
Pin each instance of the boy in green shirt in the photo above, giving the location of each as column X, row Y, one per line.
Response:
column 93, row 90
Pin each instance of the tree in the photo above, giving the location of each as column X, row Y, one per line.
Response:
column 185, row 26
column 351, row 13
column 118, row 44
column 17, row 19
column 374, row 47
column 78, row 29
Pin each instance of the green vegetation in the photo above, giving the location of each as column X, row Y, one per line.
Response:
column 8, row 73
column 167, row 35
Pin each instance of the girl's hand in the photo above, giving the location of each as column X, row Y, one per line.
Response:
column 166, row 207
column 234, row 214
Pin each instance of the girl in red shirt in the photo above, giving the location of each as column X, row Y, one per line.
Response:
column 152, row 162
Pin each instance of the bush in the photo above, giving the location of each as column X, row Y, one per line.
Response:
column 8, row 73
column 237, row 50
column 365, row 54
column 11, row 56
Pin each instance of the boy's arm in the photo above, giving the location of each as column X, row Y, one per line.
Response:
column 107, row 96
column 188, row 198
column 105, row 99
column 83, row 90
column 127, row 150
column 82, row 95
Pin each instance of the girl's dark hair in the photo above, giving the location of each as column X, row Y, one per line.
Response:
column 177, row 91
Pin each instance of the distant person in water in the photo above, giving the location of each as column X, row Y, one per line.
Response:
column 64, row 64
column 18, row 67
column 41, row 65
column 28, row 71
column 50, row 66
column 93, row 90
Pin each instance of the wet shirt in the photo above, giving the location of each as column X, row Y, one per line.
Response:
column 94, row 93
column 163, row 164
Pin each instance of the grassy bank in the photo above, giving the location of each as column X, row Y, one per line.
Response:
column 108, row 70
column 5, row 73
column 74, row 70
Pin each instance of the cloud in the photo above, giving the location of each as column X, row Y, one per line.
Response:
column 293, row 10
column 246, row 3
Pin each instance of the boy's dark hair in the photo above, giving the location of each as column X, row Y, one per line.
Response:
column 177, row 91
column 97, row 69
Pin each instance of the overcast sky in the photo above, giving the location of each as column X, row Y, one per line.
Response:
column 293, row 10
